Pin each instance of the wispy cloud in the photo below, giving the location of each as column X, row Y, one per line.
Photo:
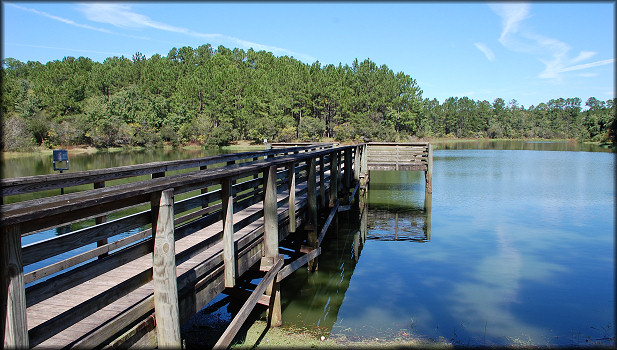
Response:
column 73, row 23
column 512, row 14
column 68, row 49
column 122, row 16
column 553, row 53
column 486, row 51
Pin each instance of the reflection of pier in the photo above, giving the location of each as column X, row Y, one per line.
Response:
column 314, row 298
column 413, row 224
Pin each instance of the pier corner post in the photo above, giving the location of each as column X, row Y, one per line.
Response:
column 166, row 308
column 364, row 169
column 428, row 174
column 13, row 324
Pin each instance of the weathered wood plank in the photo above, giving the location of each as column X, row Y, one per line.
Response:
column 229, row 254
column 252, row 246
column 28, row 184
column 80, row 258
column 164, row 276
column 296, row 264
column 59, row 244
column 14, row 327
column 229, row 334
column 271, row 237
column 327, row 223
column 291, row 174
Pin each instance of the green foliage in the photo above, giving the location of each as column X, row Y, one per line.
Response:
column 216, row 96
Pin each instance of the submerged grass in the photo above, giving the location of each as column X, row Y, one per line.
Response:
column 259, row 336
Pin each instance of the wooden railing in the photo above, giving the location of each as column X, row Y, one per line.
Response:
column 148, row 215
column 98, row 177
column 415, row 156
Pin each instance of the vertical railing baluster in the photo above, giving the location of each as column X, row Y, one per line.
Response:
column 99, row 220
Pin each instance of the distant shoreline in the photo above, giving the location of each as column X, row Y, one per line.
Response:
column 248, row 145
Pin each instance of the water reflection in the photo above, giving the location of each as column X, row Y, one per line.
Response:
column 314, row 298
column 402, row 224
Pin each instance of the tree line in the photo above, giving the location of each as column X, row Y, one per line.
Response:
column 217, row 96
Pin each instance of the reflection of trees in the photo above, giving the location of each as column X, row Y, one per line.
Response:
column 401, row 223
column 314, row 299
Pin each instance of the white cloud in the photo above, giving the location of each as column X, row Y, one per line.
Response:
column 73, row 23
column 122, row 16
column 553, row 53
column 486, row 51
column 512, row 14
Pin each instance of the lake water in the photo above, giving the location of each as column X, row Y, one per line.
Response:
column 516, row 246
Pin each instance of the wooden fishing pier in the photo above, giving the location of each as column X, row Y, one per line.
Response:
column 133, row 257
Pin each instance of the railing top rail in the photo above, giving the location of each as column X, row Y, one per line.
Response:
column 29, row 184
column 398, row 144
column 98, row 199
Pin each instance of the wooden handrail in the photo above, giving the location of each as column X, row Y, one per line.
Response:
column 30, row 184
column 202, row 210
column 96, row 202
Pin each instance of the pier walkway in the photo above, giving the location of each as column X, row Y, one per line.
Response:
column 96, row 267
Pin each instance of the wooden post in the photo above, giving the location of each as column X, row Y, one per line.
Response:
column 14, row 327
column 99, row 220
column 333, row 178
column 428, row 175
column 428, row 204
column 364, row 169
column 291, row 176
column 364, row 160
column 347, row 174
column 364, row 218
column 271, row 243
column 229, row 254
column 164, row 276
column 205, row 189
column 271, row 236
column 356, row 164
column 311, row 201
column 322, row 181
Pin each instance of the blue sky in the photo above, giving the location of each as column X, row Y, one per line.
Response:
column 531, row 52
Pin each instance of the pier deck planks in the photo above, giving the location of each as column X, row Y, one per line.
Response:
column 48, row 309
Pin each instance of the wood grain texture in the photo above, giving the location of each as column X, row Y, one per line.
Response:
column 14, row 325
column 231, row 331
column 164, row 277
column 229, row 254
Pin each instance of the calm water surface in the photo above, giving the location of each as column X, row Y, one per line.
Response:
column 519, row 249
column 515, row 246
